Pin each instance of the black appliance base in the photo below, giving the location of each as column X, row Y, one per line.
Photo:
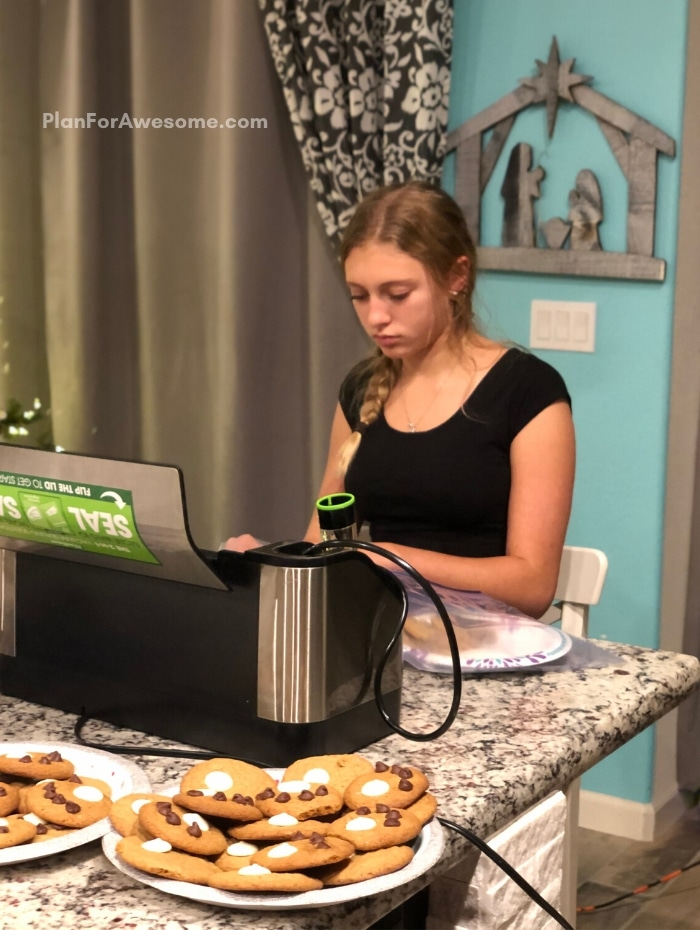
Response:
column 217, row 729
column 174, row 660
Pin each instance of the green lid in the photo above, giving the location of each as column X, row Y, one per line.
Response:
column 339, row 501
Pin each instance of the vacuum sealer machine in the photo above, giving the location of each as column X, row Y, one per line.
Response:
column 109, row 609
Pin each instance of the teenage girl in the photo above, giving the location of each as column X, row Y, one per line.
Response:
column 459, row 449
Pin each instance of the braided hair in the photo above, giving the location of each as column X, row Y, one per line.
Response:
column 426, row 223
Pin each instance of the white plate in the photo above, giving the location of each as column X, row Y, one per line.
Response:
column 123, row 776
column 491, row 635
column 427, row 849
column 495, row 644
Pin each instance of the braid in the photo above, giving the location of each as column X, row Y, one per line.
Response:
column 383, row 378
column 425, row 223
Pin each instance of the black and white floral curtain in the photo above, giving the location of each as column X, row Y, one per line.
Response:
column 367, row 87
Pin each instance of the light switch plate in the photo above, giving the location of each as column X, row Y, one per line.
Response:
column 562, row 325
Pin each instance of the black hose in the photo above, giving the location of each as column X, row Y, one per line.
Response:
column 335, row 544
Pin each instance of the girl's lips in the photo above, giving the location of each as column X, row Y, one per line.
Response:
column 386, row 340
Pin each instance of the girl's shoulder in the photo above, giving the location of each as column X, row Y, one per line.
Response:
column 353, row 389
column 518, row 387
column 522, row 369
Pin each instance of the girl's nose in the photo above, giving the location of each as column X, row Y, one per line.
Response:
column 377, row 311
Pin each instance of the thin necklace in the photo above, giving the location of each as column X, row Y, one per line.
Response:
column 413, row 424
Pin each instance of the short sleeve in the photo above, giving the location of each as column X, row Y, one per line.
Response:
column 352, row 393
column 535, row 386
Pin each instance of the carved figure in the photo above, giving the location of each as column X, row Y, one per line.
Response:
column 585, row 212
column 585, row 215
column 555, row 232
column 520, row 187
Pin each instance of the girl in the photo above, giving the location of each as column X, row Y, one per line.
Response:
column 458, row 449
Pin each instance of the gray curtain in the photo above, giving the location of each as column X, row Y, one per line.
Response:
column 23, row 357
column 170, row 290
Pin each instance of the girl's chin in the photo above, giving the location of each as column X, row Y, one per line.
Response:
column 395, row 349
column 404, row 352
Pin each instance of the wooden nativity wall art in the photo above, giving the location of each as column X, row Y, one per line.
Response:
column 569, row 245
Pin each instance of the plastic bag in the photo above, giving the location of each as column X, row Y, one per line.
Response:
column 491, row 635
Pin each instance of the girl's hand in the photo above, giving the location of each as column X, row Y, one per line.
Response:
column 242, row 543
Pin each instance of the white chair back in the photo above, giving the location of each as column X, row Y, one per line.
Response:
column 581, row 578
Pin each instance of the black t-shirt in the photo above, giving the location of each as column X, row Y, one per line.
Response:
column 447, row 488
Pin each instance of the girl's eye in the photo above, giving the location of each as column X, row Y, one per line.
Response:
column 398, row 297
column 356, row 297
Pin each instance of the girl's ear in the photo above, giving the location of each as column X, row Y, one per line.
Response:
column 459, row 276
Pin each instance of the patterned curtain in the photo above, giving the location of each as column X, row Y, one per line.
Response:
column 367, row 86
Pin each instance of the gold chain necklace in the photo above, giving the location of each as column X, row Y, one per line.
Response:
column 413, row 424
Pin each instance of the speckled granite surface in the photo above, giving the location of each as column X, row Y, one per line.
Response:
column 517, row 737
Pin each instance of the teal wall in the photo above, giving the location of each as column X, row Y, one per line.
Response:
column 635, row 50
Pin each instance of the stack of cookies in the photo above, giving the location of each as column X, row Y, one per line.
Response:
column 331, row 820
column 42, row 797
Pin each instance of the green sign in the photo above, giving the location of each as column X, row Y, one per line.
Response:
column 75, row 516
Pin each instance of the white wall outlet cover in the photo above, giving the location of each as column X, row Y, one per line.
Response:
column 567, row 326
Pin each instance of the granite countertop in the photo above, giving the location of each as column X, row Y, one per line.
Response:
column 518, row 737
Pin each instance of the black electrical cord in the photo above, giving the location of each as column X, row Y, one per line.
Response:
column 332, row 545
column 591, row 908
column 509, row 870
column 336, row 544
column 200, row 754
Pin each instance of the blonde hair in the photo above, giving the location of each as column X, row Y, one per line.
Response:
column 426, row 223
